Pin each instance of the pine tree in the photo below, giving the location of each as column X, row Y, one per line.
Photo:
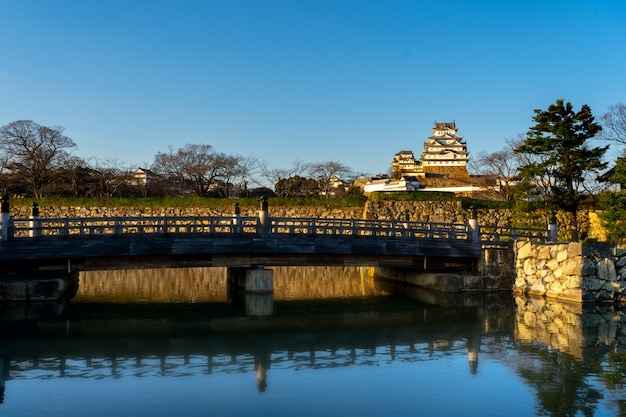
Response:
column 559, row 157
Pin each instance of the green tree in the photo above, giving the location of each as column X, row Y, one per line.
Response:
column 613, row 204
column 558, row 157
column 296, row 186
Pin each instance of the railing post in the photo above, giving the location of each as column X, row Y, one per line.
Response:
column 237, row 219
column 264, row 218
column 407, row 224
column 553, row 228
column 66, row 227
column 34, row 224
column 474, row 229
column 6, row 232
column 117, row 227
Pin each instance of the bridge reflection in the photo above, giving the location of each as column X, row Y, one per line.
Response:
column 208, row 339
column 568, row 355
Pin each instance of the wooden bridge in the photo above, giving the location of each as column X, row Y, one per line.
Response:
column 245, row 241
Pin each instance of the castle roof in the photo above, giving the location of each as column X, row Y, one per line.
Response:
column 445, row 126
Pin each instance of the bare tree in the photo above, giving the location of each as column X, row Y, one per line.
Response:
column 34, row 151
column 614, row 124
column 239, row 174
column 189, row 167
column 326, row 172
column 499, row 168
column 276, row 176
column 198, row 169
column 112, row 177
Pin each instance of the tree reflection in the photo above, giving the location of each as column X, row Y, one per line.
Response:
column 560, row 382
column 614, row 379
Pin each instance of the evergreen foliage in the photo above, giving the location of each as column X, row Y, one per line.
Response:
column 613, row 205
column 558, row 157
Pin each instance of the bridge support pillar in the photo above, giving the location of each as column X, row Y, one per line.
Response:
column 259, row 281
column 253, row 286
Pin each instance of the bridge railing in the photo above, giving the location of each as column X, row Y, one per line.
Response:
column 372, row 228
column 249, row 225
column 498, row 236
column 505, row 235
column 132, row 226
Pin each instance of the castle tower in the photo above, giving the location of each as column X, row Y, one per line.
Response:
column 404, row 164
column 445, row 153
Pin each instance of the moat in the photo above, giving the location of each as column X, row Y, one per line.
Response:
column 160, row 342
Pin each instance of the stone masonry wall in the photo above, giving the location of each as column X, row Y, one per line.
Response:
column 579, row 272
column 425, row 211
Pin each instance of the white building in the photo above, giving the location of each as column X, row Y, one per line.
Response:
column 389, row 185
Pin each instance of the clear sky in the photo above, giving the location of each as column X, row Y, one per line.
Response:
column 353, row 81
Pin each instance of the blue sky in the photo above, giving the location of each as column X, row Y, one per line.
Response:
column 350, row 81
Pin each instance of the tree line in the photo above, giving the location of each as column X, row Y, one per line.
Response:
column 553, row 163
column 38, row 161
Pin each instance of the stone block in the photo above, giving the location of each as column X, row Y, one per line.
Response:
column 525, row 250
column 543, row 252
column 605, row 269
column 573, row 281
column 611, row 286
column 561, row 255
column 538, row 288
column 574, row 249
column 620, row 249
column 552, row 264
column 591, row 283
column 588, row 267
column 554, row 287
column 573, row 294
column 46, row 289
column 529, row 266
column 572, row 266
column 14, row 290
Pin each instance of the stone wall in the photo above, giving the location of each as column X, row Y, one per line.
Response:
column 579, row 272
column 423, row 211
column 282, row 211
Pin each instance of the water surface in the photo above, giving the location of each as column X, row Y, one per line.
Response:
column 366, row 348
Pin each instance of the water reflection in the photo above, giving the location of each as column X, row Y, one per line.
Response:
column 372, row 347
column 207, row 285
